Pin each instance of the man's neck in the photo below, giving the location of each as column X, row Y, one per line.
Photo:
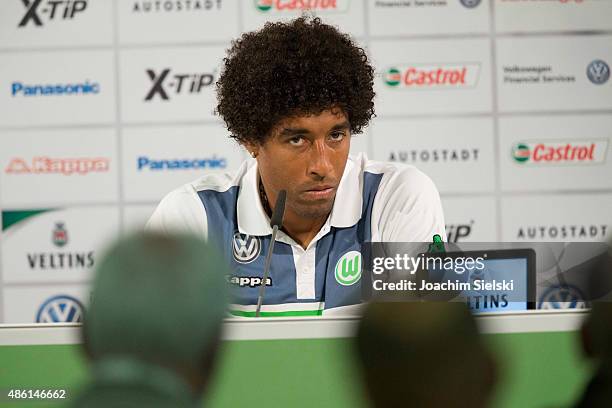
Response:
column 302, row 230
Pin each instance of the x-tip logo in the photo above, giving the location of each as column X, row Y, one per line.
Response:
column 348, row 268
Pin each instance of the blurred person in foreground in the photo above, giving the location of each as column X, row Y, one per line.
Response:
column 153, row 326
column 424, row 354
column 597, row 341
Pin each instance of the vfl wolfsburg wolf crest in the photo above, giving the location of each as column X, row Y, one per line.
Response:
column 348, row 268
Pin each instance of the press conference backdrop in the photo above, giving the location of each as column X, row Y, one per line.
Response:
column 106, row 105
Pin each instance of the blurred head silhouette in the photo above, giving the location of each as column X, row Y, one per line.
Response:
column 596, row 336
column 153, row 325
column 424, row 354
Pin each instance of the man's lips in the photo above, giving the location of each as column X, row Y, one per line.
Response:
column 320, row 192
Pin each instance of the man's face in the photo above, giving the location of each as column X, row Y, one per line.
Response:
column 306, row 155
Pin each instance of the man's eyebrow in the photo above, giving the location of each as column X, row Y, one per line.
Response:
column 341, row 126
column 293, row 131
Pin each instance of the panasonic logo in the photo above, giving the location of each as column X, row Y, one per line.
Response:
column 146, row 163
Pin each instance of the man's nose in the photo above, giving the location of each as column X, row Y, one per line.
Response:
column 320, row 164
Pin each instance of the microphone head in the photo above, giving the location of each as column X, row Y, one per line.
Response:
column 279, row 210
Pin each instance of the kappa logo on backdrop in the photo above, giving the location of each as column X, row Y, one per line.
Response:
column 433, row 76
column 64, row 166
column 598, row 72
column 164, row 83
column 168, row 6
column 348, row 268
column 246, row 248
column 38, row 11
column 300, row 5
column 60, row 309
column 560, row 152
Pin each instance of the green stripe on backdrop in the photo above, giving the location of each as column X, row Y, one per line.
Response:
column 10, row 218
column 288, row 313
column 539, row 370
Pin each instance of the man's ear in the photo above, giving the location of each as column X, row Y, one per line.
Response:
column 252, row 148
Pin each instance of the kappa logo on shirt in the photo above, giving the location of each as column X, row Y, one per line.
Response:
column 246, row 248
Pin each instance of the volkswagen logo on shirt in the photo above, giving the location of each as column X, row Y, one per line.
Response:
column 60, row 309
column 246, row 248
column 598, row 72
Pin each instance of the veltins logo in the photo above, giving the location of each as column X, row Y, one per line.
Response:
column 246, row 248
column 266, row 6
column 470, row 3
column 433, row 76
column 598, row 72
column 348, row 268
column 60, row 235
column 50, row 10
column 562, row 297
column 164, row 83
column 63, row 166
column 565, row 152
column 60, row 309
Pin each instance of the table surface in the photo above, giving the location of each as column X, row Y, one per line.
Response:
column 307, row 327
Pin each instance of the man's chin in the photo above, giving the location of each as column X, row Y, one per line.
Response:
column 314, row 210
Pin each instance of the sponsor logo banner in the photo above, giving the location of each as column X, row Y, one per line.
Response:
column 470, row 219
column 73, row 88
column 554, row 73
column 48, row 303
column 557, row 218
column 55, row 245
column 452, row 76
column 433, row 76
column 548, row 153
column 170, row 84
column 58, row 166
column 456, row 153
column 414, row 17
column 159, row 160
column 54, row 22
column 346, row 14
column 546, row 15
column 198, row 20
column 570, row 152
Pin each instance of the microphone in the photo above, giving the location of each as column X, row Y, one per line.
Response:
column 276, row 222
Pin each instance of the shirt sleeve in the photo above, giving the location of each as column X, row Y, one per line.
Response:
column 407, row 208
column 180, row 211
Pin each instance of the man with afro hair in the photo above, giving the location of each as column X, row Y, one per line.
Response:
column 293, row 94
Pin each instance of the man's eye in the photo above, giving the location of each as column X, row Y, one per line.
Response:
column 296, row 141
column 337, row 136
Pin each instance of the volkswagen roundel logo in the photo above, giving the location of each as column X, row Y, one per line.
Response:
column 470, row 3
column 562, row 297
column 60, row 309
column 246, row 248
column 598, row 72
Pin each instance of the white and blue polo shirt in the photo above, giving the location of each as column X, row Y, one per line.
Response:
column 375, row 201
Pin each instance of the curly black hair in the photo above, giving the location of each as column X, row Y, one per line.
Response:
column 301, row 67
